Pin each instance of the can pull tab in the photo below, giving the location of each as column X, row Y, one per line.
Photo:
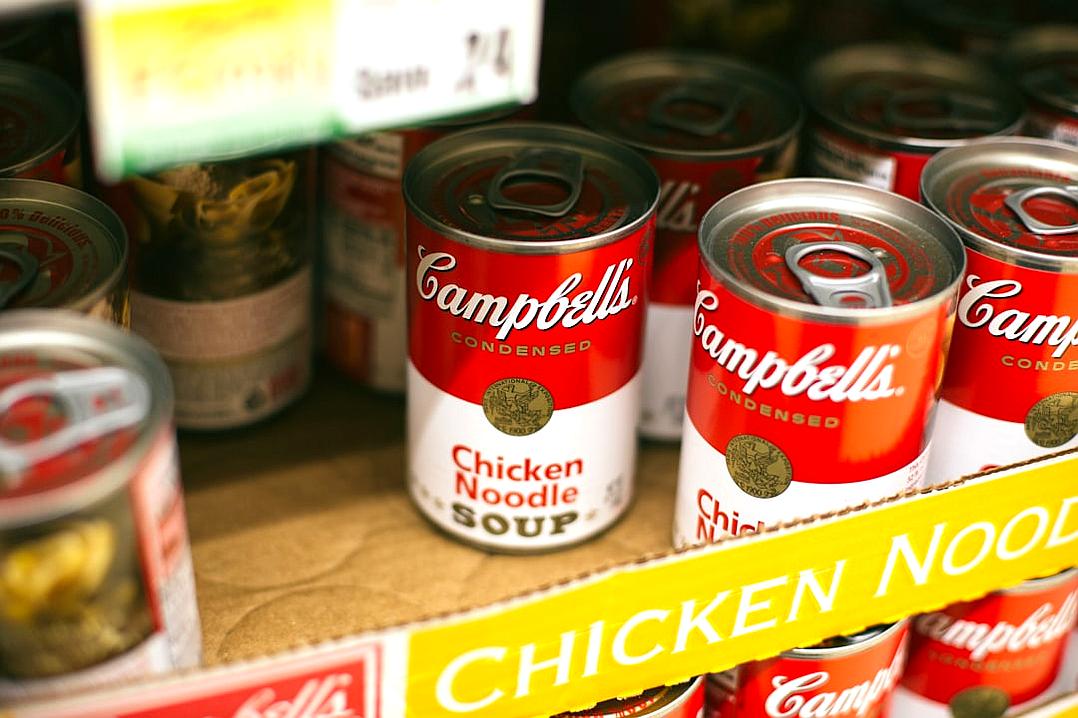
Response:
column 1016, row 203
column 869, row 290
column 26, row 264
column 95, row 402
column 695, row 93
column 557, row 166
column 958, row 110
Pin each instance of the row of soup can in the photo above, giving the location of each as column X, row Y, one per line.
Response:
column 980, row 659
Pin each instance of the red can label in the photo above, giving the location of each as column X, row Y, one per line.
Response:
column 832, row 155
column 983, row 657
column 1016, row 328
column 516, row 361
column 688, row 190
column 1051, row 125
column 854, row 684
column 789, row 417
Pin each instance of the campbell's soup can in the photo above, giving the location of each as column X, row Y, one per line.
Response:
column 685, row 700
column 96, row 583
column 529, row 251
column 709, row 126
column 363, row 235
column 1044, row 61
column 852, row 675
column 820, row 329
column 1013, row 202
column 40, row 116
column 881, row 111
column 221, row 283
column 988, row 658
column 61, row 248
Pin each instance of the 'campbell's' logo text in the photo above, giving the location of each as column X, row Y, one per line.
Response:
column 867, row 378
column 983, row 639
column 800, row 697
column 976, row 310
column 564, row 306
column 318, row 698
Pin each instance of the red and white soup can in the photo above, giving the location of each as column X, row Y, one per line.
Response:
column 685, row 700
column 363, row 241
column 708, row 125
column 1044, row 61
column 96, row 583
column 529, row 252
column 820, row 330
column 1013, row 202
column 881, row 111
column 849, row 676
column 40, row 117
column 986, row 658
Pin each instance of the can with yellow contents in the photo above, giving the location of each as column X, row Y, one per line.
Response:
column 96, row 583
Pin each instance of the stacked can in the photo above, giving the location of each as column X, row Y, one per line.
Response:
column 1045, row 63
column 709, row 126
column 984, row 658
column 820, row 331
column 1013, row 204
column 363, row 234
column 61, row 248
column 40, row 117
column 96, row 583
column 221, row 284
column 685, row 700
column 529, row 251
column 881, row 111
column 849, row 675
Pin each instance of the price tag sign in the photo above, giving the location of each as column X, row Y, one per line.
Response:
column 177, row 81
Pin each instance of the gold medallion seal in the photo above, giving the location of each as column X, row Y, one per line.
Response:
column 758, row 467
column 517, row 407
column 980, row 702
column 1053, row 421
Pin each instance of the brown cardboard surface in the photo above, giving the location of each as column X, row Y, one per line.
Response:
column 302, row 529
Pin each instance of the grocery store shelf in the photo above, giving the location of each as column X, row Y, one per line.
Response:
column 303, row 536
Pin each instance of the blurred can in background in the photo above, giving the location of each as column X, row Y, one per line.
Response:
column 1044, row 62
column 96, row 582
column 708, row 125
column 40, row 117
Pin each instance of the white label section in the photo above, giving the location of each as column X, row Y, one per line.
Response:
column 379, row 154
column 667, row 346
column 907, row 704
column 1053, row 128
column 831, row 158
column 964, row 442
column 562, row 485
column 710, row 505
column 201, row 331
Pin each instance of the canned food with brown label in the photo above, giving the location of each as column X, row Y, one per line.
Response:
column 852, row 675
column 1014, row 203
column 363, row 235
column 40, row 118
column 990, row 657
column 685, row 700
column 881, row 111
column 221, row 285
column 1044, row 61
column 96, row 583
column 820, row 329
column 529, row 249
column 708, row 125
column 61, row 248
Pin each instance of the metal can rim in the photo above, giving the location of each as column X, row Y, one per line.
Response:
column 1042, row 582
column 900, row 57
column 15, row 188
column 457, row 142
column 1040, row 41
column 687, row 690
column 812, row 653
column 596, row 79
column 840, row 315
column 979, row 243
column 37, row 328
column 60, row 91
